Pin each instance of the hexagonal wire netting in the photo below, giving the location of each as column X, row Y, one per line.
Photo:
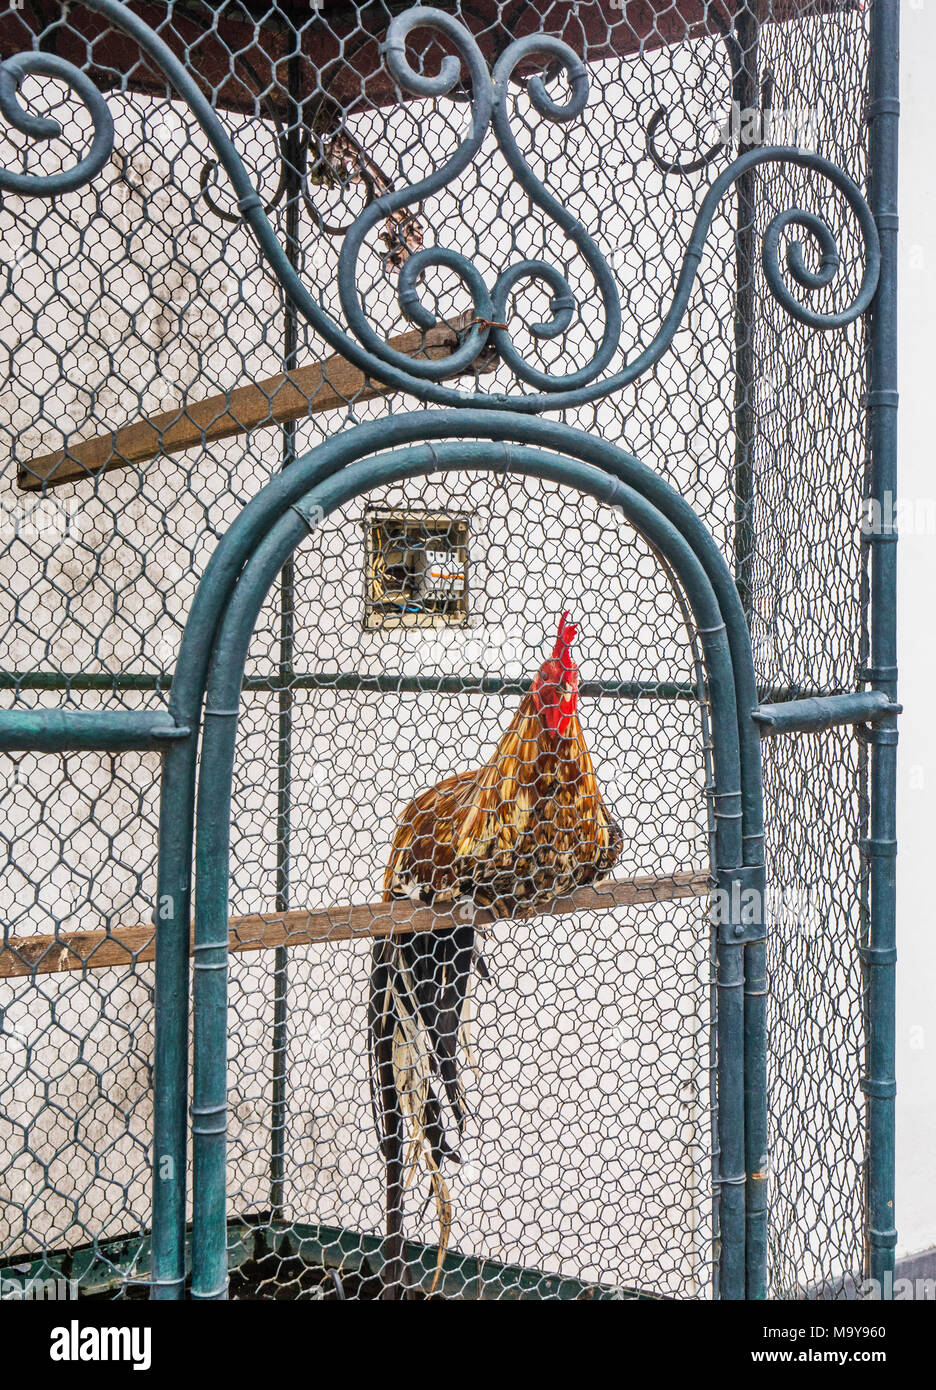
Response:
column 589, row 1135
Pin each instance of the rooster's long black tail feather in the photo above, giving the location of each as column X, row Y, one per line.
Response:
column 417, row 1014
column 440, row 965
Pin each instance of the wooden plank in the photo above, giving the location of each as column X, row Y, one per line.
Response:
column 277, row 400
column 97, row 950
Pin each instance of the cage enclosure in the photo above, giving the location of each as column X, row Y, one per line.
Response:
column 448, row 649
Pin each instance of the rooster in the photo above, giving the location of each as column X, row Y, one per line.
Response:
column 510, row 837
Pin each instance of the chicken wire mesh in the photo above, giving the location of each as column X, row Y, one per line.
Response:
column 588, row 1149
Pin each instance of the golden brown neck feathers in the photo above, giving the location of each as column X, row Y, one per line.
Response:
column 529, row 755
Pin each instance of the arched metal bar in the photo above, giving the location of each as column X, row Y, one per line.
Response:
column 288, row 487
column 178, row 787
column 214, row 798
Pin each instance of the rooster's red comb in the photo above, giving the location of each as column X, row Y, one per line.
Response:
column 567, row 632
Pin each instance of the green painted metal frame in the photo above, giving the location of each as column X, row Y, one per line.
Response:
column 879, row 950
column 205, row 693
column 210, row 669
column 209, row 678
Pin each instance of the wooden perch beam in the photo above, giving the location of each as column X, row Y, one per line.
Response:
column 96, row 950
column 318, row 386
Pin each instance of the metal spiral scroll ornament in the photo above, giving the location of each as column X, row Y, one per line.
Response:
column 465, row 70
column 488, row 109
column 660, row 117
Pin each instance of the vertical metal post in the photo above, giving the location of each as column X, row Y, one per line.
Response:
column 171, row 1015
column 879, row 952
column 731, row 1180
column 280, row 1038
column 745, row 97
column 210, row 977
column 757, row 1165
column 728, row 817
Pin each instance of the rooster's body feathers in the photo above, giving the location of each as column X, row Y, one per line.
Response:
column 528, row 827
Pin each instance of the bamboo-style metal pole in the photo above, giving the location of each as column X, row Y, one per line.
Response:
column 880, row 950
column 171, row 1015
column 284, row 695
column 210, row 1004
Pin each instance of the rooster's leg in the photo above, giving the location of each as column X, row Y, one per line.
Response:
column 388, row 1116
